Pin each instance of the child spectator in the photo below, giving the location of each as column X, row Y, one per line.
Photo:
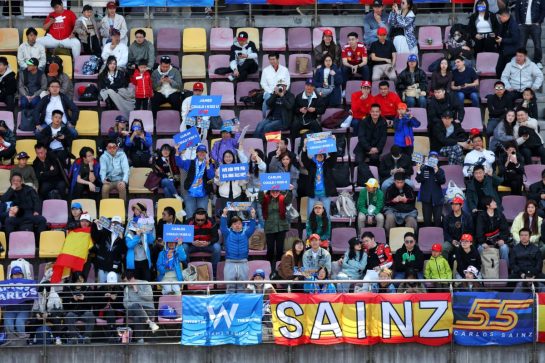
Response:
column 437, row 267
column 119, row 131
column 403, row 129
column 141, row 79
column 26, row 171
column 529, row 102
column 316, row 287
column 168, row 267
column 471, row 277
column 87, row 32
column 384, row 286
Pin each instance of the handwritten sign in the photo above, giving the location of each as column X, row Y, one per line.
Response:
column 239, row 206
column 230, row 172
column 187, row 138
column 205, row 106
column 177, row 232
column 322, row 145
column 274, row 181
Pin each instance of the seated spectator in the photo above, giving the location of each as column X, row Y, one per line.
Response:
column 74, row 217
column 361, row 105
column 328, row 81
column 372, row 134
column 412, row 84
column 431, row 180
column 286, row 164
column 478, row 156
column 480, row 186
column 164, row 165
column 403, row 124
column 384, row 286
column 465, row 82
column 354, row 264
column 383, row 56
column 537, row 192
column 498, row 105
column 138, row 144
column 168, row 267
column 55, row 71
column 511, row 168
column 316, row 256
column 114, row 171
column 141, row 49
column 168, row 216
column 8, row 84
column 399, row 206
column 256, row 165
column 291, row 264
column 86, row 30
column 110, row 305
column 442, row 102
column 56, row 100
column 78, row 305
column 26, row 171
column 59, row 27
column 32, row 82
column 392, row 163
column 483, row 27
column 319, row 223
column 449, row 139
column 408, row 257
column 411, row 287
column 521, row 73
column 273, row 75
column 139, row 241
column 47, row 309
column 138, row 302
column 280, row 105
column 31, row 49
column 109, row 247
column 401, row 21
column 354, row 58
column 471, row 279
column 327, row 47
column 228, row 191
column 441, row 78
column 116, row 49
column 528, row 219
column 379, row 256
column 526, row 131
column 226, row 143
column 508, row 38
column 281, row 148
column 437, row 267
column 7, row 143
column 206, row 238
column 111, row 21
column 118, row 133
column 526, row 260
column 167, row 86
column 16, row 315
column 260, row 287
column 465, row 254
column 243, row 58
column 373, row 21
column 459, row 45
column 49, row 172
column 492, row 229
column 321, row 182
column 529, row 102
column 113, row 85
column 455, row 224
column 370, row 204
column 198, row 90
column 315, row 287
column 388, row 101
column 503, row 133
column 24, row 208
column 58, row 139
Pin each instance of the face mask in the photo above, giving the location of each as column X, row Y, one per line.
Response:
column 481, row 8
column 457, row 37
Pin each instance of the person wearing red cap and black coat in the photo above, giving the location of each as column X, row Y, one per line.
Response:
column 327, row 47
column 372, row 134
column 465, row 255
column 243, row 58
column 455, row 224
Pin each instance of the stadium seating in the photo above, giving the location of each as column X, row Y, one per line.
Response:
column 343, row 34
column 78, row 66
column 88, row 123
column 8, row 117
column 430, row 38
column 51, row 243
column 67, row 66
column 4, row 244
column 168, row 122
column 274, row 40
column 340, row 237
column 210, row 273
column 78, row 144
column 512, row 206
column 486, row 64
column 162, row 203
column 55, row 212
column 174, row 302
column 40, row 31
column 107, row 120
column 395, row 239
column 224, row 89
column 292, row 66
column 427, row 236
column 148, row 203
column 378, row 232
column 26, row 145
column 168, row 40
column 89, row 206
column 112, row 207
column 193, row 67
column 317, row 34
column 9, row 39
column 12, row 61
column 137, row 179
column 146, row 117
column 299, row 40
column 221, row 39
column 21, row 245
column 253, row 35
column 428, row 59
column 217, row 61
column 194, row 40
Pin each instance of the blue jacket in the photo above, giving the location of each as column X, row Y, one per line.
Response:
column 179, row 256
column 132, row 241
column 404, row 128
column 316, row 288
column 335, row 97
column 76, row 169
column 430, row 185
column 236, row 243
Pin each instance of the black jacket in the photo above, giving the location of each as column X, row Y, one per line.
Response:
column 430, row 185
column 491, row 226
column 317, row 102
column 464, row 260
column 329, row 179
column 46, row 137
column 498, row 107
column 78, row 306
column 404, row 79
column 452, row 231
column 393, row 192
column 286, row 103
column 388, row 163
column 109, row 255
column 437, row 107
column 371, row 135
column 538, row 11
column 439, row 139
column 535, row 191
column 510, row 37
column 490, row 188
column 48, row 170
column 120, row 80
column 525, row 258
column 402, row 266
column 512, row 170
column 70, row 109
column 8, row 85
column 26, row 199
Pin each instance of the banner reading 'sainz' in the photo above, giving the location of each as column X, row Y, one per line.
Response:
column 361, row 318
column 492, row 318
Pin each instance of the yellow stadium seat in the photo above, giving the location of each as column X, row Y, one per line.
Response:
column 12, row 61
column 168, row 202
column 41, row 33
column 212, row 142
column 4, row 180
column 303, row 209
column 4, row 244
column 88, row 205
column 395, row 240
column 112, row 207
column 51, row 243
column 9, row 39
column 189, row 86
column 193, row 67
column 253, row 35
column 194, row 40
column 77, row 144
column 26, row 145
column 67, row 65
column 149, row 34
column 420, row 218
column 422, row 145
column 2, row 278
column 137, row 179
column 87, row 123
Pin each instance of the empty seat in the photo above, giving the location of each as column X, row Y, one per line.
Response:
column 137, row 179
column 17, row 130
column 210, row 273
column 67, row 65
column 168, row 122
column 265, row 60
column 317, row 34
column 216, row 61
column 173, row 301
column 330, row 111
column 512, row 206
column 78, row 144
column 149, row 34
column 193, row 67
column 421, row 145
column 486, row 87
column 167, row 141
column 55, row 212
column 107, row 120
column 9, row 39
column 299, row 40
column 274, row 39
column 4, row 244
column 225, row 90
column 21, row 245
column 401, row 62
column 250, row 118
column 428, row 59
column 148, row 203
column 486, row 63
column 51, row 243
column 194, row 40
column 221, row 39
column 472, row 119
column 169, row 40
column 253, row 35
column 533, row 174
column 145, row 116
column 430, row 38
column 297, row 87
column 378, row 232
column 112, row 207
column 340, row 237
column 88, row 205
column 454, row 173
column 351, row 87
column 78, row 67
column 427, row 236
column 259, row 264
column 26, row 145
column 421, row 115
column 87, row 123
column 252, row 143
column 8, row 117
column 292, row 66
column 4, row 180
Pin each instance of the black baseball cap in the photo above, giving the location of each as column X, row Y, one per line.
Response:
column 377, row 3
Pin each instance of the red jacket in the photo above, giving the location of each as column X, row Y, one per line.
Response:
column 142, row 82
column 360, row 108
column 388, row 104
column 64, row 27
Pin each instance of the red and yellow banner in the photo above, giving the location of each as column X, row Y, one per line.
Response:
column 541, row 317
column 361, row 318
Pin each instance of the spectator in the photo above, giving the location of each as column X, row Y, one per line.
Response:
column 243, row 58
column 529, row 102
column 141, row 79
column 455, row 224
column 459, row 45
column 168, row 267
column 117, row 49
column 279, row 109
column 58, row 139
column 379, row 256
column 384, row 286
column 511, row 168
column 327, row 47
column 141, row 50
column 114, row 171
column 139, row 240
column 7, row 143
column 8, row 84
column 56, row 72
column 236, row 249
column 321, row 179
column 31, row 49
column 206, row 238
column 59, row 27
column 370, row 204
column 431, row 179
column 465, row 82
column 483, row 27
column 256, row 165
column 528, row 219
column 315, row 257
column 388, row 101
column 526, row 260
column 168, row 216
column 492, row 229
column 465, row 255
column 78, row 305
column 226, row 143
column 402, row 27
column 49, row 172
column 373, row 20
column 407, row 287
column 498, row 104
column 354, row 264
column 478, row 156
column 400, row 205
column 32, row 82
column 110, row 305
column 526, row 131
column 138, row 144
column 291, row 263
column 109, row 247
column 118, row 133
column 286, row 164
column 26, row 171
column 320, row 288
column 86, row 30
column 113, row 84
column 503, row 133
column 228, row 191
column 403, row 129
column 85, row 175
column 273, row 75
column 441, row 78
column 308, row 108
column 167, row 85
column 530, row 15
column 47, row 309
column 441, row 102
column 412, row 83
column 354, row 58
column 449, row 139
column 408, row 257
column 383, row 56
column 537, row 192
column 507, row 39
column 282, row 148
column 361, row 105
column 328, row 81
column 437, row 267
column 56, row 100
column 393, row 163
column 372, row 134
column 198, row 90
column 165, row 166
column 16, row 315
column 480, row 186
column 113, row 21
column 138, row 301
column 471, row 279
column 521, row 73
column 319, row 223
column 259, row 287
column 24, row 211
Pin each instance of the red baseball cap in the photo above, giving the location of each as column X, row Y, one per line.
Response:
column 382, row 31
column 457, row 200
column 466, row 237
column 111, row 5
column 81, row 90
column 198, row 86
column 314, row 236
column 328, row 33
column 365, row 84
column 402, row 106
column 437, row 247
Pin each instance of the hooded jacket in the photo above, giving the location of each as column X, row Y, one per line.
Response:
column 142, row 51
column 519, row 77
column 132, row 240
column 437, row 268
column 115, row 168
column 248, row 49
column 8, row 84
column 405, row 260
column 354, row 268
column 236, row 243
column 404, row 130
column 162, row 260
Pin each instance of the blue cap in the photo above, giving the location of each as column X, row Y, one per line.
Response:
column 433, row 153
column 412, row 58
column 259, row 272
column 122, row 119
column 16, row 270
column 226, row 129
column 201, row 147
column 77, row 206
column 309, row 82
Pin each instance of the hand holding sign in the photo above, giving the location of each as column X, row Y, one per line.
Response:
column 274, row 181
column 205, row 106
column 187, row 138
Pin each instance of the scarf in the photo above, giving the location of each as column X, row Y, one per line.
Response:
column 112, row 77
column 319, row 179
column 197, row 188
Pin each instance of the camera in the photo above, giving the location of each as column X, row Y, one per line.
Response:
column 280, row 88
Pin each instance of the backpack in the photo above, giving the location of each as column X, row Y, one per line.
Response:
column 335, row 120
column 28, row 123
column 25, row 266
column 453, row 191
column 490, row 258
column 43, row 335
column 92, row 66
column 346, row 206
column 341, row 174
column 257, row 241
column 90, row 94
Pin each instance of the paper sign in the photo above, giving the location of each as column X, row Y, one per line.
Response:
column 274, row 181
column 432, row 162
column 205, row 106
column 418, row 158
column 187, row 138
column 239, row 206
column 319, row 135
column 104, row 222
column 321, row 146
column 177, row 232
column 203, row 123
column 230, row 172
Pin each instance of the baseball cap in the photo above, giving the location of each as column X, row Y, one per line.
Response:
column 225, row 129
column 447, row 114
column 466, row 237
column 259, row 272
column 166, row 59
column 122, row 119
column 201, row 147
column 23, row 155
column 434, row 153
column 372, row 183
column 198, row 86
column 412, row 58
column 328, row 33
column 32, row 62
column 16, row 270
column 111, row 5
column 111, row 277
column 85, row 217
column 382, row 31
column 314, row 236
column 365, row 84
column 472, row 269
column 76, row 205
column 309, row 82
column 116, row 219
column 242, row 36
column 281, row 82
column 457, row 200
column 437, row 247
column 377, row 3
column 81, row 90
column 402, row 106
column 53, row 70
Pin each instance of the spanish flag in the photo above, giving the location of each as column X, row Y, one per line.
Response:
column 274, row 136
column 73, row 254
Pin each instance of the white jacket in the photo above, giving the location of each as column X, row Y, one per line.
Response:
column 270, row 77
column 27, row 51
column 120, row 52
column 473, row 157
column 520, row 77
column 119, row 24
column 223, row 187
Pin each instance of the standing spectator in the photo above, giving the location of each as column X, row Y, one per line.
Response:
column 139, row 241
column 354, row 58
column 402, row 27
column 58, row 139
column 360, row 108
column 373, row 21
column 271, row 76
column 526, row 260
column 280, row 106
column 521, row 73
column 530, row 15
column 528, row 219
column 319, row 223
column 109, row 247
column 511, row 168
column 456, row 223
column 85, row 175
column 537, row 192
column 165, row 166
column 431, row 180
column 370, row 204
column 383, row 56
column 465, row 82
column 226, row 143
column 321, row 179
column 285, row 163
column 32, row 82
column 400, row 205
column 112, row 21
column 167, row 86
column 316, row 257
column 478, row 156
column 503, row 133
column 114, row 171
column 528, row 139
column 483, row 27
column 379, row 256
column 141, row 79
column 86, row 30
column 508, row 39
column 308, row 108
column 206, row 238
column 141, row 50
column 441, row 78
column 292, row 261
column 168, row 267
column 198, row 90
column 466, row 255
column 412, row 83
column 481, row 186
column 388, row 101
column 228, row 191
column 56, row 100
column 117, row 49
column 50, row 176
column 328, row 80
column 449, row 139
column 8, row 84
column 408, row 257
column 243, row 58
column 492, row 229
column 138, row 301
column 442, row 102
column 59, row 26
column 31, row 49
column 392, row 163
column 327, row 47
column 371, row 137
column 498, row 104
column 26, row 171
column 113, row 85
column 403, row 129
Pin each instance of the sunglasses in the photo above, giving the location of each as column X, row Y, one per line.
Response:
column 498, row 88
column 409, row 241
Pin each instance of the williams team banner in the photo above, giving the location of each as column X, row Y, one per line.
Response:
column 16, row 293
column 493, row 318
column 222, row 319
column 361, row 318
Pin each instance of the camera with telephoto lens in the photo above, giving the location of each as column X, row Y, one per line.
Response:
column 280, row 88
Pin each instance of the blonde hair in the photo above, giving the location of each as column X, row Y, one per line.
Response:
column 385, row 270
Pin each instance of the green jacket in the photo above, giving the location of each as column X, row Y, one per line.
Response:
column 490, row 189
column 274, row 223
column 376, row 199
column 325, row 235
column 437, row 268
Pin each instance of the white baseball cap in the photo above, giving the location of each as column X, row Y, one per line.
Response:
column 111, row 277
column 116, row 219
column 85, row 217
